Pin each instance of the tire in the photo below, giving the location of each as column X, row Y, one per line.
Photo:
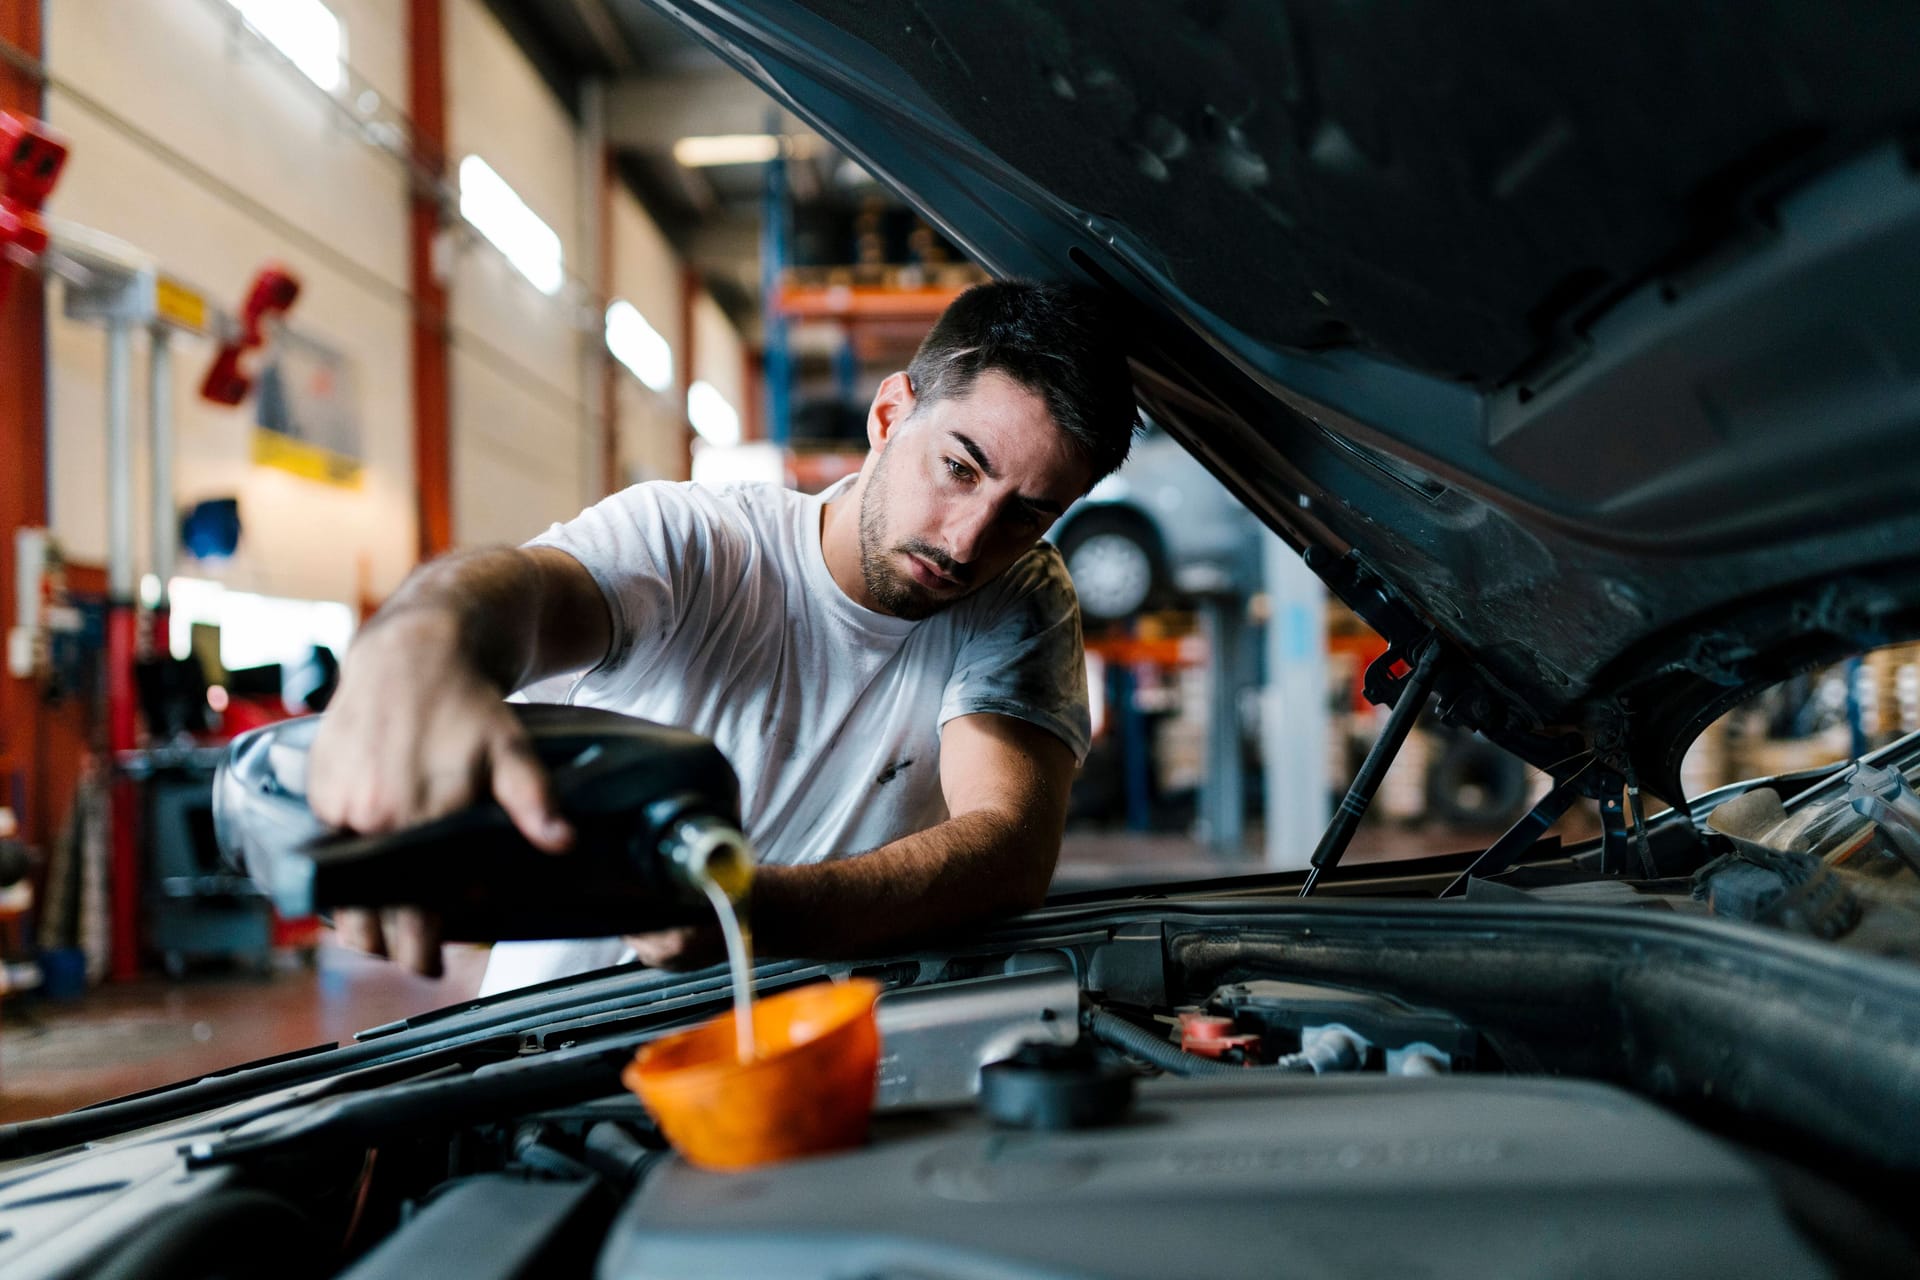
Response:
column 1472, row 783
column 1116, row 562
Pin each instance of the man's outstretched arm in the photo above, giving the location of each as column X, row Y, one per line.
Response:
column 418, row 728
column 1006, row 784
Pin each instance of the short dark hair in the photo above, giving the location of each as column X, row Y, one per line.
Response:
column 1060, row 342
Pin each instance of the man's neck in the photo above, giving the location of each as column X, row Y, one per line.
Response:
column 840, row 545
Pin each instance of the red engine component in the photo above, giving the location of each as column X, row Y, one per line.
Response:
column 272, row 295
column 1211, row 1036
column 34, row 156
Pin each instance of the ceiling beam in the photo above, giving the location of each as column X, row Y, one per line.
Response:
column 651, row 113
column 605, row 33
column 724, row 240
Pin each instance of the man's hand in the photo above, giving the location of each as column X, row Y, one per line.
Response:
column 412, row 736
column 419, row 728
column 409, row 936
column 415, row 734
column 693, row 947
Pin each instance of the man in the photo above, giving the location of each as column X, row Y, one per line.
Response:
column 893, row 667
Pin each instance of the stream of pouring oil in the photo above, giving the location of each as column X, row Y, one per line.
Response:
column 739, row 940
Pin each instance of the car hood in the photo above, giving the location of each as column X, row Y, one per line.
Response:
column 1580, row 340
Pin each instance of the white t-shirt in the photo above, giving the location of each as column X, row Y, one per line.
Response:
column 727, row 622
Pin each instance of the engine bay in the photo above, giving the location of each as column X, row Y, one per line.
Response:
column 1237, row 1085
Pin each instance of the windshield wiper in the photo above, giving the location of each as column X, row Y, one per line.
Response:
column 1520, row 837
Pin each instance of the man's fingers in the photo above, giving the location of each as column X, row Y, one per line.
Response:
column 658, row 949
column 520, row 785
column 360, row 931
column 690, row 947
column 414, row 938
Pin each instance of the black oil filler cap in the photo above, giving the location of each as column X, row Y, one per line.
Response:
column 1055, row 1086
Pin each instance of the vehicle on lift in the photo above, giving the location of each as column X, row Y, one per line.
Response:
column 1159, row 531
column 1593, row 387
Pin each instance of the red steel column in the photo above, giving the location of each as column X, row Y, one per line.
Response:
column 752, row 418
column 123, row 618
column 689, row 294
column 432, row 415
column 610, row 476
column 23, row 446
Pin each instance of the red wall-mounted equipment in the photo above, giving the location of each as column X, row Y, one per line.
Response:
column 272, row 295
column 33, row 156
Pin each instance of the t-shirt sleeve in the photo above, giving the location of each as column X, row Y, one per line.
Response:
column 1025, row 657
column 643, row 546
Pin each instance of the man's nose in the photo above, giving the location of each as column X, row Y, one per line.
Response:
column 969, row 530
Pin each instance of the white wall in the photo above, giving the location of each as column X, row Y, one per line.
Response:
column 276, row 165
column 652, row 427
column 718, row 355
column 519, row 433
column 155, row 89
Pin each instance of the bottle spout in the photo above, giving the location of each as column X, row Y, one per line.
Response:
column 706, row 850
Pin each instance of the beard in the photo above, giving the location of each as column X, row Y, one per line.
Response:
column 894, row 591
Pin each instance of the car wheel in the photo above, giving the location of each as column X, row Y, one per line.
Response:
column 1115, row 564
column 1473, row 783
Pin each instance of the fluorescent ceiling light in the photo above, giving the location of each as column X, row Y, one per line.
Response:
column 717, row 421
column 726, row 148
column 638, row 345
column 306, row 31
column 498, row 213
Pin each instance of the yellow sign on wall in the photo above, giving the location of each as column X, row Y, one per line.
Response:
column 307, row 412
column 308, row 461
column 177, row 304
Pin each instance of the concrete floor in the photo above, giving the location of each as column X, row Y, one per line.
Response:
column 121, row 1039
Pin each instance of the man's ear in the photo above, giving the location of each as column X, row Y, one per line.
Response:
column 892, row 404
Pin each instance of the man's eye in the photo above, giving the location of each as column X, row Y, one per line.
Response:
column 959, row 471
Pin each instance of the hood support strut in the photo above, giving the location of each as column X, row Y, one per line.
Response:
column 1353, row 805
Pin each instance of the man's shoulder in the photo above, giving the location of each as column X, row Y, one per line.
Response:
column 713, row 509
column 1036, row 583
column 1042, row 568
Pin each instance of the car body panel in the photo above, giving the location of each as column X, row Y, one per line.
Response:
column 1610, row 381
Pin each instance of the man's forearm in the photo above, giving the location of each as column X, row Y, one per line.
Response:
column 507, row 615
column 485, row 604
column 965, row 870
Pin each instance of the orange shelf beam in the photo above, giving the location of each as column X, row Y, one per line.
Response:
column 862, row 302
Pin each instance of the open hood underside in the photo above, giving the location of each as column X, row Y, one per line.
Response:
column 1584, row 340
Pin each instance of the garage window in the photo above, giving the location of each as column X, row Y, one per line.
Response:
column 306, row 31
column 717, row 421
column 255, row 630
column 639, row 346
column 497, row 212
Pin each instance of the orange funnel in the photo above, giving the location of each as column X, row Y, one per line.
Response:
column 810, row 1089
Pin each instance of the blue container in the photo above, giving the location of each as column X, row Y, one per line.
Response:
column 63, row 973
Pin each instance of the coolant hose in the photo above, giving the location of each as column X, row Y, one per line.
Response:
column 1118, row 1033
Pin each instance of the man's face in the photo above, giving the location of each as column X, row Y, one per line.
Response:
column 960, row 490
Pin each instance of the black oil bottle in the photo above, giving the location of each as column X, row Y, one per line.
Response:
column 655, row 813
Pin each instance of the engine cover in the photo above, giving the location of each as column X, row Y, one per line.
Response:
column 1447, row 1176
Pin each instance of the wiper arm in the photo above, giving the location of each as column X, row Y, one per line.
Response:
column 1520, row 837
column 369, row 1119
